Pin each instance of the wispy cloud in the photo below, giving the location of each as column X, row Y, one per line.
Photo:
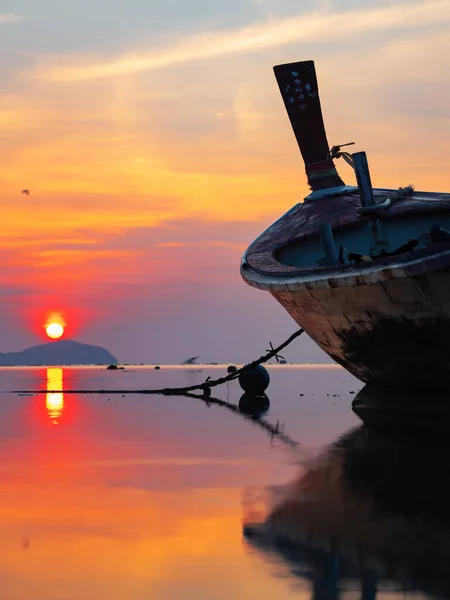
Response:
column 310, row 27
column 215, row 244
column 9, row 18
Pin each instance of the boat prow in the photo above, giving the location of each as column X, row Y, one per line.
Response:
column 366, row 272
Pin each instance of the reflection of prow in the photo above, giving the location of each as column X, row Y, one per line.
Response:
column 191, row 361
column 372, row 507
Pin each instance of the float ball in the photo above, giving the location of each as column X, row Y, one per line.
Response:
column 254, row 381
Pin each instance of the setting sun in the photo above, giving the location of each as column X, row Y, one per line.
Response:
column 54, row 330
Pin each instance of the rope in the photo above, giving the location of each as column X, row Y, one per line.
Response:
column 336, row 152
column 324, row 168
column 204, row 387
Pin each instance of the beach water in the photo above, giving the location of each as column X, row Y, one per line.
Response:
column 134, row 496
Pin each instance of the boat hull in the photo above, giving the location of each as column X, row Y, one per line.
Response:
column 395, row 332
column 386, row 319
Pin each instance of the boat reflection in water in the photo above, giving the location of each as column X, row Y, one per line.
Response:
column 54, row 399
column 372, row 511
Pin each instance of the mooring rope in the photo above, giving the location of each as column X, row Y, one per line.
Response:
column 274, row 431
column 205, row 387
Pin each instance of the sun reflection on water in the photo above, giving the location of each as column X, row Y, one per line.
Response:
column 55, row 397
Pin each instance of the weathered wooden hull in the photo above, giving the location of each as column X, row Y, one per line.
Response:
column 387, row 320
column 394, row 332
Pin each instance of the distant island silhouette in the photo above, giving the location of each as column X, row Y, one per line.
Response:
column 60, row 352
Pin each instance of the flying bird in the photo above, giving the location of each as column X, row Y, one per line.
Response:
column 190, row 361
column 26, row 192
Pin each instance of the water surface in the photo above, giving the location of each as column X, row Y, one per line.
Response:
column 130, row 496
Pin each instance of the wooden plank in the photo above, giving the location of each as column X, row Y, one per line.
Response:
column 300, row 93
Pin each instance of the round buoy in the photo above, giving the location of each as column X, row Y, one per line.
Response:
column 254, row 406
column 254, row 381
column 231, row 369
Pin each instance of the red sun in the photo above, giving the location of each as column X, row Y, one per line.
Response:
column 54, row 330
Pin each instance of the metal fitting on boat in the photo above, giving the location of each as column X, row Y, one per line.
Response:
column 374, row 208
column 363, row 179
column 329, row 246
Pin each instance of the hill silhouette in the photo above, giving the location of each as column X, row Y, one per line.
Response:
column 60, row 352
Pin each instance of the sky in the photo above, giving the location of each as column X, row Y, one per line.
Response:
column 155, row 146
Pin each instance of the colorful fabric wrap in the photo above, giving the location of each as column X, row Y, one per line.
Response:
column 324, row 168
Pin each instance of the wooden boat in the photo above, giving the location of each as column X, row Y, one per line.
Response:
column 365, row 272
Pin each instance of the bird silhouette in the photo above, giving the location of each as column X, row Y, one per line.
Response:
column 26, row 192
column 190, row 361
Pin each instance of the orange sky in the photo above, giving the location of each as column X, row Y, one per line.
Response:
column 157, row 148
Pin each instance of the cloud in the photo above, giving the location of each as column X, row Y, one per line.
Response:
column 9, row 18
column 323, row 25
column 214, row 244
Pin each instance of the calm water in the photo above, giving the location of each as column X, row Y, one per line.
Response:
column 131, row 496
